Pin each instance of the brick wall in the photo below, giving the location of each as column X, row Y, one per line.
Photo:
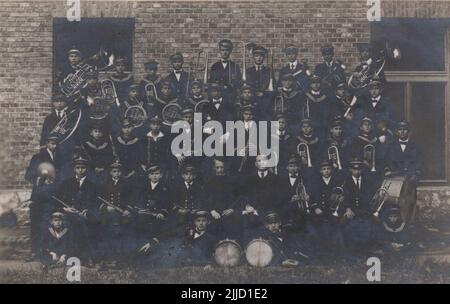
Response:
column 162, row 28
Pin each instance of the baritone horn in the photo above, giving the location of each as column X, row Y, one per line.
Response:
column 303, row 152
column 369, row 156
column 333, row 155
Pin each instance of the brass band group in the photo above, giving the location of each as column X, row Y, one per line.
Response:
column 108, row 189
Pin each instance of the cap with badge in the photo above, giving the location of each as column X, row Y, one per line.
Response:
column 132, row 87
column 293, row 160
column 226, row 43
column 247, row 108
column 59, row 215
column 326, row 163
column 337, row 122
column 259, row 50
column 403, row 125
column 155, row 119
column 246, row 86
column 214, row 86
column 375, row 82
column 151, row 65
column 272, row 217
column 80, row 161
column 126, row 122
column 306, row 121
column 74, row 51
column 115, row 165
column 356, row 163
column 316, row 79
column 152, row 168
column 187, row 111
column 92, row 75
column 201, row 213
column 53, row 137
column 287, row 76
column 367, row 119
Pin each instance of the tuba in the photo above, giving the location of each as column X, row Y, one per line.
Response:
column 303, row 152
column 333, row 155
column 369, row 156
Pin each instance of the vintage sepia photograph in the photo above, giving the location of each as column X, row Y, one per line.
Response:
column 224, row 142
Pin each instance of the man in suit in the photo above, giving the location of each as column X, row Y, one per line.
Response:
column 219, row 107
column 359, row 189
column 377, row 105
column 226, row 72
column 179, row 79
column 331, row 71
column 59, row 105
column 299, row 70
column 260, row 77
column 80, row 194
column 403, row 155
column 46, row 154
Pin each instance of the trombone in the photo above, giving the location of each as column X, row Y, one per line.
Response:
column 270, row 88
column 333, row 155
column 303, row 152
column 369, row 149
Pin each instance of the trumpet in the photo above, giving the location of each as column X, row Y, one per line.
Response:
column 109, row 91
column 303, row 152
column 333, row 155
column 336, row 199
column 379, row 199
column 369, row 150
column 303, row 197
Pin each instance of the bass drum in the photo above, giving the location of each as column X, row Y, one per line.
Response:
column 401, row 192
column 227, row 253
column 259, row 253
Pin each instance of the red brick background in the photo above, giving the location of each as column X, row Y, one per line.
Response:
column 162, row 28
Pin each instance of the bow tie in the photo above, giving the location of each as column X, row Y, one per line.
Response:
column 403, row 142
column 374, row 100
column 177, row 72
column 216, row 101
column 225, row 61
column 293, row 176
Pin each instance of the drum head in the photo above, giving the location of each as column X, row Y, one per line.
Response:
column 227, row 253
column 259, row 253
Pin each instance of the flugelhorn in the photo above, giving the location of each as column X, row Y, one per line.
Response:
column 333, row 155
column 369, row 149
column 303, row 152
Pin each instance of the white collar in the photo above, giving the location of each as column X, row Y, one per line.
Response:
column 52, row 154
column 263, row 173
column 281, row 134
column 356, row 179
column 153, row 185
column 81, row 179
column 160, row 134
column 121, row 140
column 403, row 142
column 377, row 99
column 293, row 63
column 326, row 179
column 315, row 93
column 198, row 234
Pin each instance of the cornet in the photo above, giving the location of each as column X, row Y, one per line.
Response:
column 333, row 155
column 303, row 152
column 370, row 149
column 109, row 91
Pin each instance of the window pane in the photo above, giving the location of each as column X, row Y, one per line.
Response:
column 421, row 42
column 395, row 91
column 428, row 123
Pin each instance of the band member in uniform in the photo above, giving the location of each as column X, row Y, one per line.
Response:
column 226, row 72
column 368, row 66
column 307, row 146
column 403, row 156
column 289, row 99
column 115, row 198
column 90, row 91
column 293, row 199
column 365, row 147
column 187, row 197
column 128, row 149
column 154, row 206
column 179, row 79
column 330, row 71
column 151, row 77
column 286, row 143
column 72, row 65
column 99, row 151
column 57, row 241
column 80, row 195
column 317, row 106
column 46, row 154
column 326, row 226
column 299, row 70
column 246, row 98
column 219, row 107
column 59, row 109
column 166, row 95
column 336, row 147
column 196, row 93
column 122, row 79
column 359, row 189
column 348, row 107
column 377, row 106
column 261, row 79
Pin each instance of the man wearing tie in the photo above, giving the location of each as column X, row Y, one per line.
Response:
column 403, row 155
column 359, row 190
column 59, row 104
column 226, row 72
column 179, row 79
column 330, row 71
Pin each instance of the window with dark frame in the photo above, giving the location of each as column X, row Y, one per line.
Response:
column 417, row 85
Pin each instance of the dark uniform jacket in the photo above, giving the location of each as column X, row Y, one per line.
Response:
column 62, row 243
column 359, row 199
column 119, row 194
column 81, row 198
column 331, row 75
column 300, row 73
column 156, row 200
column 229, row 77
column 130, row 154
column 263, row 193
column 382, row 110
column 39, row 158
column 220, row 193
column 321, row 192
column 100, row 156
column 407, row 162
column 191, row 198
column 121, row 84
column 181, row 87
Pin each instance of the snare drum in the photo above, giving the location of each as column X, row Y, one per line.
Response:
column 227, row 253
column 259, row 253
